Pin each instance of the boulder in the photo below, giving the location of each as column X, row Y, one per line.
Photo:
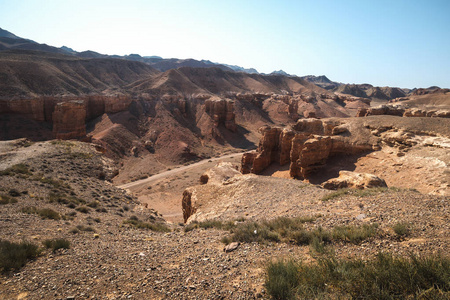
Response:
column 348, row 179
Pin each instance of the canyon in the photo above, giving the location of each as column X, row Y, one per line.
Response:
column 148, row 166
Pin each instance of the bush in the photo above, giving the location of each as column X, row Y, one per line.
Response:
column 82, row 209
column 57, row 184
column 16, row 169
column 210, row 224
column 282, row 279
column 85, row 228
column 45, row 213
column 56, row 244
column 93, row 204
column 5, row 199
column 384, row 277
column 135, row 222
column 281, row 229
column 402, row 229
column 14, row 193
column 354, row 234
column 14, row 256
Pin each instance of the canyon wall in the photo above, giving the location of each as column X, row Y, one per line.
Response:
column 306, row 146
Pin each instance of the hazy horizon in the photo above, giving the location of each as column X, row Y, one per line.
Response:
column 383, row 43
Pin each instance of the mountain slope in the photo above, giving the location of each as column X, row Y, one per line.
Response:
column 30, row 74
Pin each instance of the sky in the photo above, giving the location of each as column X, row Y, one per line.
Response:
column 404, row 43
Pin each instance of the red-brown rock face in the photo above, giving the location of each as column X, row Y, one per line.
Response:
column 306, row 146
column 69, row 120
column 221, row 112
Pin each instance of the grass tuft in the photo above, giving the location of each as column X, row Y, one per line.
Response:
column 402, row 229
column 16, row 169
column 355, row 234
column 354, row 192
column 83, row 209
column 383, row 277
column 56, row 244
column 14, row 256
column 135, row 222
column 45, row 213
column 6, row 199
column 209, row 224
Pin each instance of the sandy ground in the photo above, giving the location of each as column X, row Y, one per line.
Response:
column 163, row 191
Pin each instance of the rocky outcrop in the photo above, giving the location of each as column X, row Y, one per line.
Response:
column 348, row 179
column 402, row 112
column 222, row 172
column 187, row 204
column 69, row 120
column 68, row 115
column 221, row 111
column 306, row 146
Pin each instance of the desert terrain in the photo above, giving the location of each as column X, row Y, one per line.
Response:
column 146, row 178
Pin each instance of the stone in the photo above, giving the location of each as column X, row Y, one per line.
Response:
column 231, row 247
column 348, row 179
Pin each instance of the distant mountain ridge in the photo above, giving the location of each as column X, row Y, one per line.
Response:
column 9, row 41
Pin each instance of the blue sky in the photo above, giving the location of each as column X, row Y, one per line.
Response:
column 396, row 43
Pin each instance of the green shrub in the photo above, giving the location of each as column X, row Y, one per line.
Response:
column 354, row 234
column 135, row 222
column 14, row 256
column 209, row 224
column 282, row 279
column 384, row 277
column 402, row 229
column 45, row 213
column 56, row 244
column 6, row 199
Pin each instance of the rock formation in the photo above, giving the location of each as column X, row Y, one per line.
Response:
column 306, row 146
column 402, row 112
column 348, row 179
column 69, row 120
column 221, row 111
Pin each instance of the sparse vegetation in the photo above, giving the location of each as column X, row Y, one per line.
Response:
column 16, row 169
column 135, row 222
column 402, row 229
column 83, row 209
column 354, row 234
column 14, row 256
column 45, row 213
column 56, row 244
column 62, row 198
column 383, row 277
column 57, row 184
column 354, row 192
column 6, row 199
column 83, row 228
column 209, row 224
column 291, row 230
column 93, row 204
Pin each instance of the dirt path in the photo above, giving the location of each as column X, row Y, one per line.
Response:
column 130, row 186
column 163, row 191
